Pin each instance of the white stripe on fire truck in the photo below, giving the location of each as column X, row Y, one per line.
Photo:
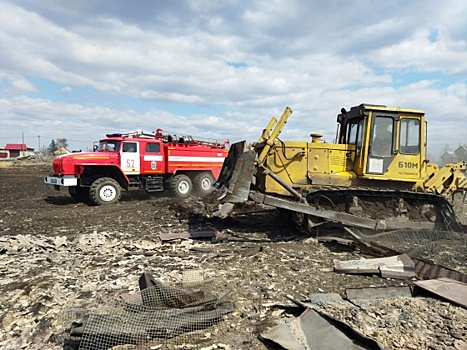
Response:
column 152, row 158
column 196, row 159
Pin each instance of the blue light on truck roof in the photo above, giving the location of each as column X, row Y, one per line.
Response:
column 114, row 135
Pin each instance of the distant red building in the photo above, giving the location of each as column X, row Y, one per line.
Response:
column 14, row 150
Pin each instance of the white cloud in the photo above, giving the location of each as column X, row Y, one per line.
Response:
column 21, row 85
column 246, row 61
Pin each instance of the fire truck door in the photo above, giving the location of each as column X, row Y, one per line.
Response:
column 130, row 163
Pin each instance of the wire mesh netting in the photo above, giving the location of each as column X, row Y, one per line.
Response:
column 441, row 248
column 185, row 315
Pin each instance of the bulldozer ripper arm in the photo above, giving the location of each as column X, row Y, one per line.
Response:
column 267, row 131
column 269, row 141
column 447, row 179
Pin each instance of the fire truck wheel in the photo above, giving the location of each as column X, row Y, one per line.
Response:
column 181, row 186
column 105, row 191
column 79, row 194
column 203, row 183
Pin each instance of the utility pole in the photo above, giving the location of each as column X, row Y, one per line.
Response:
column 39, row 141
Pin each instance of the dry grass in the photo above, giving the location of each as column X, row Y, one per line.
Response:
column 6, row 163
column 9, row 163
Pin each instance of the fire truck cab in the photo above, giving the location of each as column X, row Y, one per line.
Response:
column 150, row 161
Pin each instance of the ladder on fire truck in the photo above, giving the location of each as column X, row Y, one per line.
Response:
column 177, row 138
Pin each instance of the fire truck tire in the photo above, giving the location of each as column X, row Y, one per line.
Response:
column 181, row 186
column 105, row 191
column 79, row 194
column 203, row 183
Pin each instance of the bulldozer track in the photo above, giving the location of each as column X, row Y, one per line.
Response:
column 381, row 203
column 381, row 193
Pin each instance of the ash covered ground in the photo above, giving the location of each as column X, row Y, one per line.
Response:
column 56, row 255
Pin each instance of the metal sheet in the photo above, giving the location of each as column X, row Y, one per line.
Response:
column 428, row 271
column 338, row 240
column 356, row 294
column 236, row 174
column 400, row 266
column 315, row 330
column 321, row 298
column 189, row 234
column 446, row 288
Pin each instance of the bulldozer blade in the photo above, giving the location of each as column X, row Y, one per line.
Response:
column 236, row 174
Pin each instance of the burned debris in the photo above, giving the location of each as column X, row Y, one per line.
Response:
column 156, row 315
column 72, row 267
column 316, row 330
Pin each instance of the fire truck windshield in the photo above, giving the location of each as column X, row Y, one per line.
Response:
column 109, row 146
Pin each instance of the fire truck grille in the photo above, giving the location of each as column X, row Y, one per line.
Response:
column 57, row 166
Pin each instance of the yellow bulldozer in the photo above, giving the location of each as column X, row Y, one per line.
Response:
column 376, row 175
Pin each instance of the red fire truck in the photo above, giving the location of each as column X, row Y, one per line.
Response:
column 138, row 160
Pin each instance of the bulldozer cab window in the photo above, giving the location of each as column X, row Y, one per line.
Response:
column 383, row 131
column 409, row 142
column 354, row 134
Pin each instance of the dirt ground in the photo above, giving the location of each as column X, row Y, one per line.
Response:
column 56, row 254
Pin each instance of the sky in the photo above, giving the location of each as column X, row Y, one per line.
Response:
column 221, row 69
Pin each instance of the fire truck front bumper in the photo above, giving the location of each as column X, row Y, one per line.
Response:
column 65, row 180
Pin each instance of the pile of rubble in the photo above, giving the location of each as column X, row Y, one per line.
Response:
column 44, row 278
column 64, row 265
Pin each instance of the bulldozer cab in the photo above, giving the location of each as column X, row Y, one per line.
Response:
column 389, row 143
